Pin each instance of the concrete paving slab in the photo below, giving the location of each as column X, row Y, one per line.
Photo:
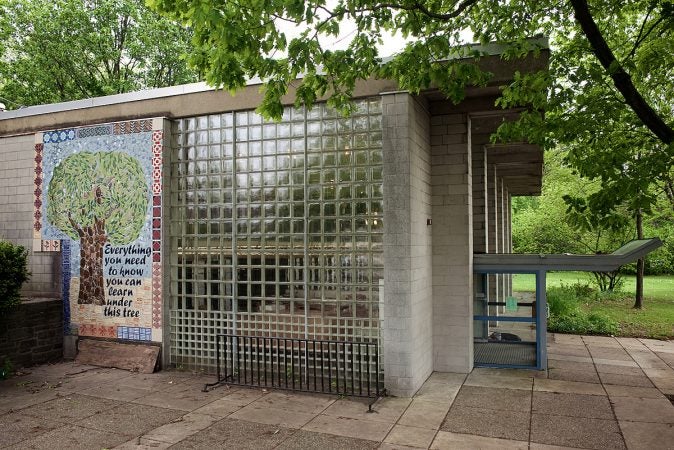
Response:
column 141, row 443
column 448, row 378
column 496, row 381
column 17, row 427
column 631, row 343
column 410, row 436
column 486, row 422
column 513, row 373
column 607, row 368
column 657, row 410
column 72, row 437
column 648, row 436
column 386, row 410
column 574, row 405
column 561, row 357
column 570, row 365
column 449, row 441
column 615, row 362
column 70, row 408
column 349, row 427
column 572, row 339
column 569, row 350
column 646, row 359
column 244, row 395
column 310, row 440
column 387, row 446
column 580, row 432
column 288, row 401
column 571, row 387
column 15, row 401
column 494, row 398
column 272, row 416
column 616, row 354
column 130, row 419
column 181, row 428
column 120, row 392
column 438, row 392
column 615, row 390
column 236, row 434
column 184, row 398
column 666, row 385
column 424, row 414
column 222, row 407
column 584, row 376
column 535, row 446
column 625, row 380
column 601, row 341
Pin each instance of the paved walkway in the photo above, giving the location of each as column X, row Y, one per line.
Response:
column 599, row 393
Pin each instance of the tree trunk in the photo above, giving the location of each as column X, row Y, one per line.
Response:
column 92, row 240
column 639, row 297
column 621, row 79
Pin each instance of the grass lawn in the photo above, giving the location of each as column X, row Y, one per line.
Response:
column 655, row 320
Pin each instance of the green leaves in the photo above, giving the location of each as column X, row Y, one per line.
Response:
column 68, row 49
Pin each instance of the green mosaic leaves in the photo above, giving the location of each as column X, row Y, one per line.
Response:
column 87, row 188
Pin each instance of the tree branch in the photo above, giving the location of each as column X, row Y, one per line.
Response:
column 621, row 79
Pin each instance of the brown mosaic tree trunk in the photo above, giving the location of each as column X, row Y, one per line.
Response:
column 92, row 240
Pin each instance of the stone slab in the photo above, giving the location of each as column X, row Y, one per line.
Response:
column 488, row 422
column 581, row 432
column 448, row 440
column 137, row 358
column 307, row 440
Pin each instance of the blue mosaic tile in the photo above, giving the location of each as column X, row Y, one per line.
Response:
column 94, row 131
column 58, row 136
column 65, row 257
column 134, row 333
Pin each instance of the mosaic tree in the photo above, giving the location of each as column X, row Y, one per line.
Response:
column 97, row 198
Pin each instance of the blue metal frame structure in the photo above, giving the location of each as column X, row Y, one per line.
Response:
column 540, row 320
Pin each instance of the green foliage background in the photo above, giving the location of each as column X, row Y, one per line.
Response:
column 61, row 50
column 13, row 273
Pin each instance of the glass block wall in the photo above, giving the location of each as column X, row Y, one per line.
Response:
column 275, row 228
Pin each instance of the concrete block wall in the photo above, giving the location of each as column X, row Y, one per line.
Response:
column 407, row 309
column 452, row 190
column 17, row 174
column 480, row 204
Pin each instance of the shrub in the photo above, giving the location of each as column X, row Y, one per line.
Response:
column 13, row 273
column 567, row 316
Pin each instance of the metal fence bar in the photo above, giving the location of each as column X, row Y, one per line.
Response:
column 310, row 365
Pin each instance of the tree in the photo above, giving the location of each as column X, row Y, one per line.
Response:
column 54, row 51
column 97, row 198
column 607, row 95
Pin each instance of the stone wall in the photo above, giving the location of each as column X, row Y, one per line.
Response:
column 32, row 334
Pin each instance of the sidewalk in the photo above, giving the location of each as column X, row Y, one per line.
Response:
column 599, row 392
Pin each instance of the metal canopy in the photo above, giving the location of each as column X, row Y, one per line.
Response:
column 519, row 262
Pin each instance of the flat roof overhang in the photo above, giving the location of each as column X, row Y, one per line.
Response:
column 520, row 262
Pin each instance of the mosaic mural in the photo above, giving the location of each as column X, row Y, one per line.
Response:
column 98, row 200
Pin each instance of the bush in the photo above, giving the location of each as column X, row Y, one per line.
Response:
column 566, row 315
column 13, row 273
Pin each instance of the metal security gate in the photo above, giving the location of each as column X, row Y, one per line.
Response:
column 328, row 367
column 276, row 230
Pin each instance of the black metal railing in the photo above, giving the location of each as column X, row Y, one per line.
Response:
column 329, row 367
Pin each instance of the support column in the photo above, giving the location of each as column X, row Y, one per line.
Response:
column 452, row 243
column 407, row 303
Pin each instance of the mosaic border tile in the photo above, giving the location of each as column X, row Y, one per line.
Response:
column 65, row 263
column 134, row 333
